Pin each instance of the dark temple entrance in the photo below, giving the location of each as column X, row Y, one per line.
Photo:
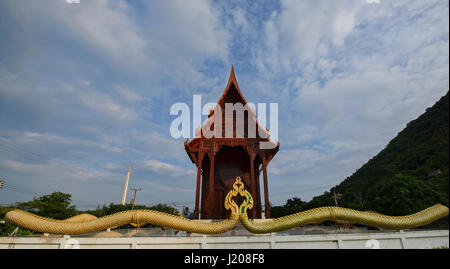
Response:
column 231, row 162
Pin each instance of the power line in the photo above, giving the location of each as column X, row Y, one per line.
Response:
column 3, row 140
column 19, row 191
column 7, row 184
column 8, row 187
column 184, row 202
column 301, row 190
column 18, row 149
column 29, row 155
column 19, row 154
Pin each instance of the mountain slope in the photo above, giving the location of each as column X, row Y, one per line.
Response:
column 408, row 175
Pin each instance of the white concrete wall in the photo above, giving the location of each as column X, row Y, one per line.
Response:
column 382, row 240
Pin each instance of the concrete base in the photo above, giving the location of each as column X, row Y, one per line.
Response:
column 382, row 240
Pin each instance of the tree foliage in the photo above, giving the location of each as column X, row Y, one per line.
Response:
column 402, row 195
column 292, row 206
column 56, row 205
column 114, row 208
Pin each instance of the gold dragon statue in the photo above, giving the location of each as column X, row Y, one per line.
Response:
column 86, row 223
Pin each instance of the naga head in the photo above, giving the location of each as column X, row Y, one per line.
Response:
column 238, row 188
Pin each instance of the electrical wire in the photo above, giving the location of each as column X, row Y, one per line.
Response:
column 301, row 190
column 19, row 151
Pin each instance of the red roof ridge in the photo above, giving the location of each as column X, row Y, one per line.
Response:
column 231, row 80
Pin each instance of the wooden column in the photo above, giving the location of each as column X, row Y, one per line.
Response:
column 266, row 191
column 253, row 182
column 197, row 193
column 258, row 194
column 211, row 184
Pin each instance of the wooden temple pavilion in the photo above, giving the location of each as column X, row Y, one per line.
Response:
column 220, row 160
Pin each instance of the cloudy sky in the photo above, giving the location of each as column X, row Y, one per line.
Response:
column 86, row 89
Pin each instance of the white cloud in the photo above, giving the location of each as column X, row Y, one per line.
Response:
column 295, row 161
column 168, row 189
column 154, row 41
column 110, row 166
column 161, row 145
column 63, row 170
column 239, row 18
column 106, row 26
column 99, row 102
column 91, row 82
column 358, row 72
column 129, row 94
column 164, row 168
column 295, row 34
column 343, row 26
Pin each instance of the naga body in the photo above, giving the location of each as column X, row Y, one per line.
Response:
column 86, row 223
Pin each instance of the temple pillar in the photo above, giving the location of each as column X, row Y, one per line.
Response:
column 211, row 184
column 197, row 193
column 258, row 194
column 252, row 181
column 266, row 191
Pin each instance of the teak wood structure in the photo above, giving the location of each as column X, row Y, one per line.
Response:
column 220, row 160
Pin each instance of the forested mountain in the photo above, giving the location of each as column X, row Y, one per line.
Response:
column 408, row 175
column 411, row 173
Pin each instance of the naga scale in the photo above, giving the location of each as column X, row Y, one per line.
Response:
column 86, row 223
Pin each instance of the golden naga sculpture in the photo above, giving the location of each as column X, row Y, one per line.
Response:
column 86, row 223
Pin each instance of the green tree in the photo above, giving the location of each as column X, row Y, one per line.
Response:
column 114, row 208
column 277, row 211
column 56, row 205
column 403, row 195
column 322, row 200
column 294, row 205
column 7, row 228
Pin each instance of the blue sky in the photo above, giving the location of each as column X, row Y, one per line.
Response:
column 86, row 89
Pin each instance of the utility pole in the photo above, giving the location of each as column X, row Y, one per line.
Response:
column 336, row 197
column 133, row 199
column 124, row 195
column 184, row 208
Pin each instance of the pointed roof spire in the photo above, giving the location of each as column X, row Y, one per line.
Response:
column 232, row 80
column 232, row 77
